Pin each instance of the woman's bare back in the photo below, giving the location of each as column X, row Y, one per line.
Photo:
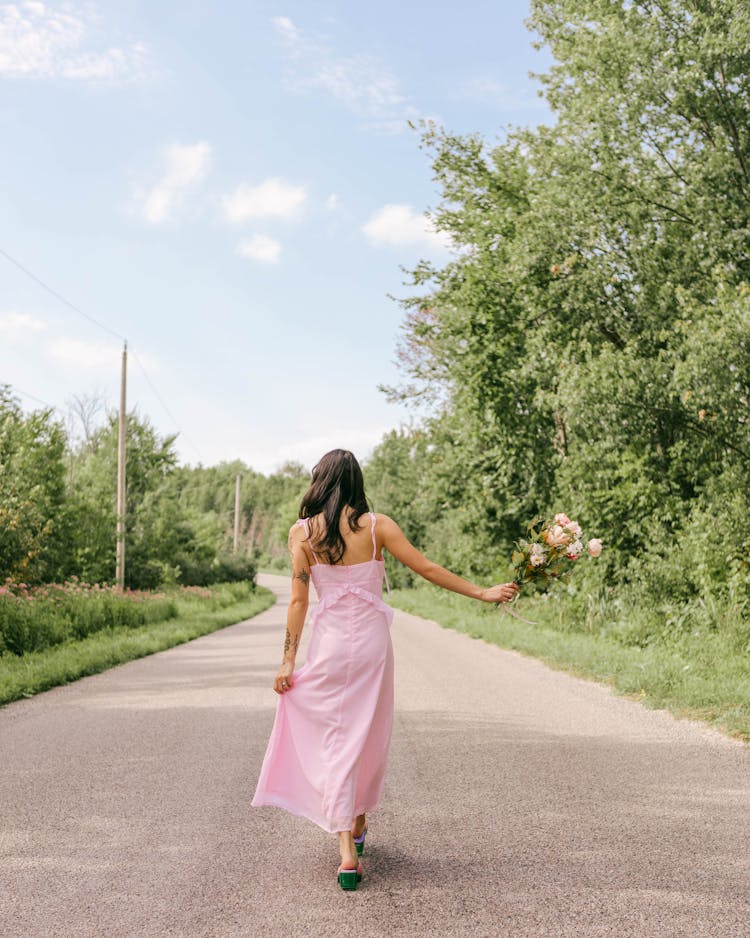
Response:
column 359, row 544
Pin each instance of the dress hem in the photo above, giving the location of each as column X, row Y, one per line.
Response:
column 330, row 827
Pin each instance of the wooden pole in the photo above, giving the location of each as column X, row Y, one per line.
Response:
column 121, row 436
column 236, row 541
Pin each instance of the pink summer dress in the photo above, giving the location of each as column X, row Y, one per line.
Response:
column 327, row 755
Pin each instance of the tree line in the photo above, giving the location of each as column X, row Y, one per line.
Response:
column 58, row 514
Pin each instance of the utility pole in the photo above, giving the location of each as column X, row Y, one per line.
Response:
column 236, row 513
column 121, row 436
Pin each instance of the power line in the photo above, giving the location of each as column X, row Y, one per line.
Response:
column 59, row 296
column 160, row 399
column 101, row 325
column 33, row 397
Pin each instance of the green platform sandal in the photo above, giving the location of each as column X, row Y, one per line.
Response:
column 359, row 842
column 348, row 879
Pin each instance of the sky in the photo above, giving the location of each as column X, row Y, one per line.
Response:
column 234, row 188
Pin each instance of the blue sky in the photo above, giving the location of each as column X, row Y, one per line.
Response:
column 234, row 188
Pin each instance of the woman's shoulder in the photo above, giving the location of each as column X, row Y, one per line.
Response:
column 297, row 530
column 383, row 521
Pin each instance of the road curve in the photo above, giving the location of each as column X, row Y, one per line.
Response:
column 520, row 802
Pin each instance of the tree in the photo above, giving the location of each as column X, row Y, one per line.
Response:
column 584, row 347
column 32, row 487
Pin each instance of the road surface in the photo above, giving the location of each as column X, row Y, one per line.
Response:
column 520, row 802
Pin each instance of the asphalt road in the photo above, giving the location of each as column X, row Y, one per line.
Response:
column 520, row 801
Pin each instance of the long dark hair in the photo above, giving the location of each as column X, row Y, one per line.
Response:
column 336, row 482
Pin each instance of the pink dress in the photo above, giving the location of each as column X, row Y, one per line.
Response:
column 327, row 754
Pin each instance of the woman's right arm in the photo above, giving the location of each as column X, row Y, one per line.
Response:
column 395, row 542
column 296, row 610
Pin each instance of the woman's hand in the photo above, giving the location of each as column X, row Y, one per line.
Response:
column 283, row 681
column 502, row 593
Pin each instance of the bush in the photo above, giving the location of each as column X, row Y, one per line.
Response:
column 225, row 568
column 34, row 619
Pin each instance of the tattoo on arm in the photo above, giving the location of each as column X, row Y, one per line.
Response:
column 302, row 575
column 290, row 644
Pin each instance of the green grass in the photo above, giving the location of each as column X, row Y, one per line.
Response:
column 26, row 675
column 703, row 674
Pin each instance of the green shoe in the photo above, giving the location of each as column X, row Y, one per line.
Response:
column 348, row 879
column 359, row 842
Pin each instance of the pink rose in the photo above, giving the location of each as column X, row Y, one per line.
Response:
column 562, row 519
column 556, row 536
column 595, row 546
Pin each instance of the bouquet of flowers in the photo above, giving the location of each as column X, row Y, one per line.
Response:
column 550, row 551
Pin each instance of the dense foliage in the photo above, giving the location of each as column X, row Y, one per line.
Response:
column 587, row 348
column 57, row 505
column 32, row 619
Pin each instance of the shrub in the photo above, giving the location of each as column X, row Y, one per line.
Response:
column 37, row 618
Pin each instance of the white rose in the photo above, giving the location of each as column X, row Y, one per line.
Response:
column 574, row 550
column 537, row 555
column 574, row 528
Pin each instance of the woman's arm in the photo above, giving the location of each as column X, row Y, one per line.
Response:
column 297, row 610
column 395, row 542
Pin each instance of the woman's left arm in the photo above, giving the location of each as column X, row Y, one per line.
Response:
column 395, row 542
column 297, row 610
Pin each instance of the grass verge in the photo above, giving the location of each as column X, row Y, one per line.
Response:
column 26, row 675
column 702, row 676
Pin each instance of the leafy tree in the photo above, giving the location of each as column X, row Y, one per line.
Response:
column 32, row 486
column 586, row 346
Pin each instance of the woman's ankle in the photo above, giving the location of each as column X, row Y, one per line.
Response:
column 359, row 825
column 348, row 851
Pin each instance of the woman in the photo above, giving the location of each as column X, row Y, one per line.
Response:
column 326, row 757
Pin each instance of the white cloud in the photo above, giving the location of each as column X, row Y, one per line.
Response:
column 273, row 198
column 360, row 81
column 332, row 202
column 13, row 323
column 260, row 248
column 91, row 356
column 184, row 166
column 286, row 29
column 401, row 226
column 38, row 41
